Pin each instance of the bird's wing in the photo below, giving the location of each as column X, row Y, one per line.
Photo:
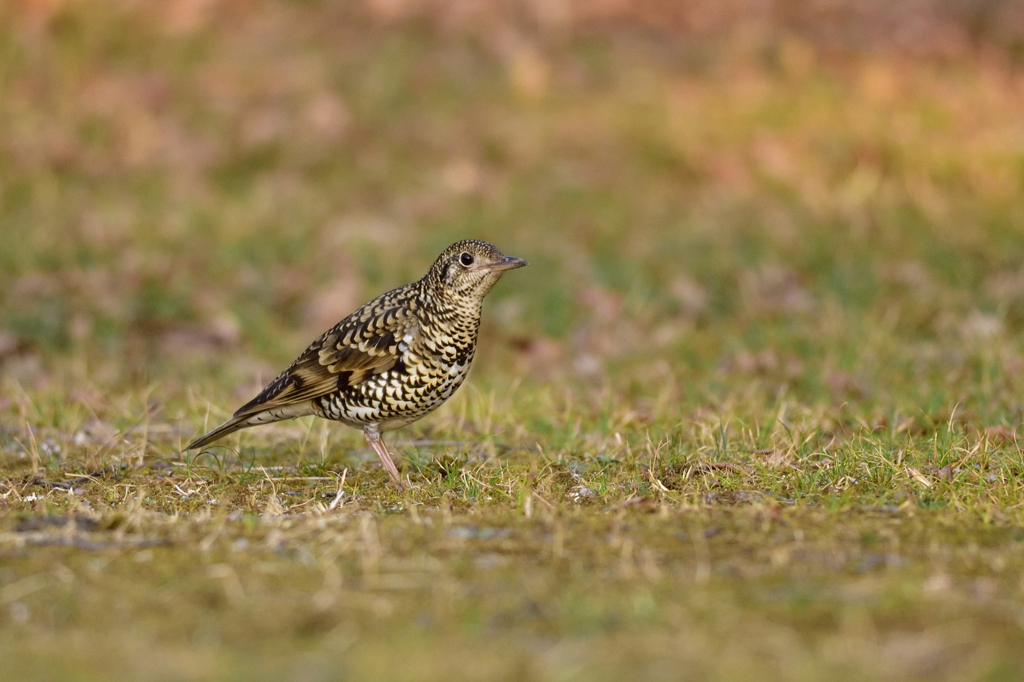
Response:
column 369, row 341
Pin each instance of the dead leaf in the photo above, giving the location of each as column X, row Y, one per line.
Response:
column 691, row 296
column 919, row 477
column 979, row 326
column 530, row 73
column 328, row 117
column 1001, row 434
column 605, row 306
column 462, row 177
column 842, row 384
column 773, row 290
column 273, row 507
column 9, row 344
column 539, row 355
column 219, row 333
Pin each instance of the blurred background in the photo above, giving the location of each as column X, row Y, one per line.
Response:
column 823, row 198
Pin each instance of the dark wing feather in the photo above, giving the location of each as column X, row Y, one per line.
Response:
column 363, row 344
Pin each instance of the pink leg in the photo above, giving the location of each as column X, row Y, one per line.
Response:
column 377, row 443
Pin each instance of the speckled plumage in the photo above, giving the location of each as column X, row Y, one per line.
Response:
column 392, row 361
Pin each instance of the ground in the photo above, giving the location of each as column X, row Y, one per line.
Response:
column 752, row 411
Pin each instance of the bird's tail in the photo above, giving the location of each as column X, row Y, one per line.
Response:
column 230, row 426
column 245, row 418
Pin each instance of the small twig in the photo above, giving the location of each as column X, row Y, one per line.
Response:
column 92, row 476
column 423, row 443
column 656, row 482
column 302, row 478
column 341, row 490
column 727, row 466
column 62, row 485
column 534, row 495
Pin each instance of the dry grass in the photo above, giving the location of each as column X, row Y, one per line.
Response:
column 752, row 412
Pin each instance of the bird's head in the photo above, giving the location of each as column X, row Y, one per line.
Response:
column 468, row 269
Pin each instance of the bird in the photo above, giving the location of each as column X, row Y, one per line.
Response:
column 392, row 361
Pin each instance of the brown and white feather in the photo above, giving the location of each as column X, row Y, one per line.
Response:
column 393, row 360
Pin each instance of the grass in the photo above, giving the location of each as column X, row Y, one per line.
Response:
column 751, row 412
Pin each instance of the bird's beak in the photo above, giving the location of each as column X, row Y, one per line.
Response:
column 508, row 263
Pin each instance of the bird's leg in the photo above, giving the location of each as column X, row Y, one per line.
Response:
column 377, row 443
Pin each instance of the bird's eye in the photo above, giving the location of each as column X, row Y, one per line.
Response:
column 466, row 259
